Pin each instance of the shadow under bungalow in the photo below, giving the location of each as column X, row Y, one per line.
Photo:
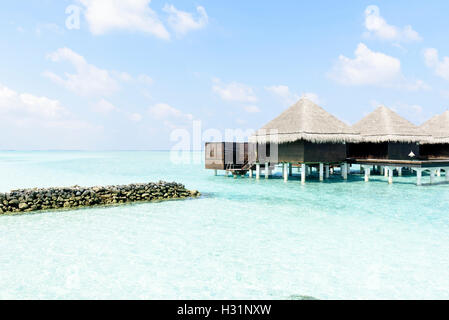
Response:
column 307, row 137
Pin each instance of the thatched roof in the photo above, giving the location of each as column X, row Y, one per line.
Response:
column 304, row 121
column 438, row 128
column 385, row 125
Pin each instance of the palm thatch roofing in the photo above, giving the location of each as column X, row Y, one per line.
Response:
column 438, row 128
column 305, row 121
column 385, row 125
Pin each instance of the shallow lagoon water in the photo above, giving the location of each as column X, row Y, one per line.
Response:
column 244, row 239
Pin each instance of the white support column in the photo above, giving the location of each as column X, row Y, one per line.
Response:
column 327, row 169
column 303, row 173
column 285, row 166
column 215, row 172
column 386, row 172
column 400, row 172
column 418, row 177
column 390, row 175
column 348, row 168
column 258, row 171
column 290, row 169
column 381, row 170
column 367, row 170
column 283, row 169
column 439, row 172
column 432, row 176
column 332, row 171
column 321, row 172
column 250, row 173
column 344, row 171
column 267, row 170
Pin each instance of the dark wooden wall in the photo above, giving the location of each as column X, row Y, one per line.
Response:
column 324, row 152
column 367, row 150
column 401, row 151
column 434, row 151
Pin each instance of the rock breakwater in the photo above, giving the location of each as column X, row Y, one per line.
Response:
column 28, row 200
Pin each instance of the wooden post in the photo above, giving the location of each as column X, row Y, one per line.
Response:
column 390, row 175
column 267, row 170
column 321, row 172
column 285, row 171
column 344, row 171
column 327, row 171
column 303, row 173
column 400, row 172
column 367, row 170
column 215, row 172
column 258, row 171
column 250, row 173
column 386, row 172
column 439, row 172
column 418, row 176
column 432, row 176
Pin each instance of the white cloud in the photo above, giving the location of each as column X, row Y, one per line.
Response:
column 183, row 22
column 27, row 105
column 135, row 117
column 372, row 68
column 378, row 27
column 24, row 110
column 105, row 107
column 88, row 79
column 234, row 91
column 143, row 78
column 170, row 116
column 104, row 16
column 284, row 93
column 164, row 111
column 440, row 67
column 289, row 97
column 251, row 109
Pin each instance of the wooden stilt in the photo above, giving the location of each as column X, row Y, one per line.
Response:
column 321, row 172
column 285, row 166
column 390, row 175
column 250, row 173
column 327, row 171
column 267, row 170
column 344, row 171
column 303, row 173
column 400, row 172
column 258, row 171
column 215, row 172
column 438, row 172
column 418, row 177
column 367, row 170
column 432, row 176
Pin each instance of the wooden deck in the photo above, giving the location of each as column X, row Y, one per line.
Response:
column 401, row 163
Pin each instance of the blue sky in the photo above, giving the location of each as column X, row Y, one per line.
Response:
column 131, row 72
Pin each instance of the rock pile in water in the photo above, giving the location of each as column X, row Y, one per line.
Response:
column 28, row 200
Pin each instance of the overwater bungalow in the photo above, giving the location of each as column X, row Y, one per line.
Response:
column 438, row 128
column 389, row 142
column 304, row 135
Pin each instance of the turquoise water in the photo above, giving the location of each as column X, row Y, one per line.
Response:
column 242, row 239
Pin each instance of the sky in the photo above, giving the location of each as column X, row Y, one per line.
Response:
column 132, row 74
